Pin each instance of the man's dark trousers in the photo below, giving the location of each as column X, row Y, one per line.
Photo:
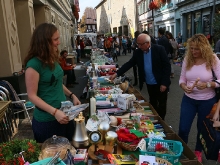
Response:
column 158, row 99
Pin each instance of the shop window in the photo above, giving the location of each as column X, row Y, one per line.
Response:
column 172, row 29
column 206, row 24
column 197, row 23
column 115, row 30
column 188, row 24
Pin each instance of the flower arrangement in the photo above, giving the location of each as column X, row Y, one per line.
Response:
column 155, row 4
column 16, row 152
column 75, row 12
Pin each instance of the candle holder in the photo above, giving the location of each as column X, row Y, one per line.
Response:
column 103, row 128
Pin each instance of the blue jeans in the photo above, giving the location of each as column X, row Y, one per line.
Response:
column 189, row 109
column 78, row 51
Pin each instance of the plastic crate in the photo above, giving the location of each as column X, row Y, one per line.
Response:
column 174, row 146
column 47, row 160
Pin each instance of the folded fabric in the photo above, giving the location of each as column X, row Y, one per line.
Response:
column 138, row 133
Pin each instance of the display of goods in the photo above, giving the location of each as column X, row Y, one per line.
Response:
column 55, row 144
column 107, row 71
column 138, row 107
column 124, row 86
column 166, row 149
column 103, row 90
column 128, row 141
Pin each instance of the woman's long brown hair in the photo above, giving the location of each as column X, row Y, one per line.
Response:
column 40, row 45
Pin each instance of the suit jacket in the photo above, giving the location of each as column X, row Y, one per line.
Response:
column 164, row 41
column 160, row 65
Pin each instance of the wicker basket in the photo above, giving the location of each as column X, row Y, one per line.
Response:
column 124, row 145
column 3, row 108
column 163, row 161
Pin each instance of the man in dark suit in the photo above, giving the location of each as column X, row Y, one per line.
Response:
column 153, row 69
column 164, row 41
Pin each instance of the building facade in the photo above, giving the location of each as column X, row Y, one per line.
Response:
column 18, row 21
column 165, row 17
column 118, row 17
column 145, row 17
column 196, row 17
column 90, row 20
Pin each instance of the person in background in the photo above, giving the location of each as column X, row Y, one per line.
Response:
column 107, row 45
column 129, row 44
column 44, row 84
column 118, row 41
column 68, row 69
column 153, row 69
column 124, row 45
column 88, row 42
column 82, row 47
column 179, row 38
column 217, row 46
column 99, row 43
column 164, row 41
column 115, row 46
column 196, row 82
column 174, row 45
column 134, row 46
column 78, row 51
column 153, row 41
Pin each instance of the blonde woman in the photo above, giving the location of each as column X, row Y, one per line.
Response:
column 196, row 81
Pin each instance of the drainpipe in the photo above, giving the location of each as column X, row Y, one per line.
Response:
column 213, row 15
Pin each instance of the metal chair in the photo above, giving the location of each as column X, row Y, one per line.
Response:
column 19, row 105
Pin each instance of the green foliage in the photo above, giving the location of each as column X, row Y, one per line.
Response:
column 108, row 34
column 10, row 151
column 82, row 26
column 216, row 26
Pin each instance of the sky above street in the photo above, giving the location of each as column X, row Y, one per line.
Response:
column 87, row 3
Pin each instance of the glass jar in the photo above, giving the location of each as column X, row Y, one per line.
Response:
column 55, row 144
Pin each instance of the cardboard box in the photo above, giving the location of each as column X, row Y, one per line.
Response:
column 125, row 101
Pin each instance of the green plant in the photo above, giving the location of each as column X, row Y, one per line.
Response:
column 108, row 34
column 10, row 152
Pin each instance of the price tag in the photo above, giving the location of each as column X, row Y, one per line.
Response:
column 142, row 145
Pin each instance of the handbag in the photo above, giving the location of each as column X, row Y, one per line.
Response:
column 210, row 139
column 217, row 90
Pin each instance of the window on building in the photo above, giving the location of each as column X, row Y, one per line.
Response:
column 115, row 30
column 188, row 24
column 172, row 29
column 146, row 5
column 197, row 23
column 139, row 10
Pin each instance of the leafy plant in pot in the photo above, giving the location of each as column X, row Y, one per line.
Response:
column 16, row 152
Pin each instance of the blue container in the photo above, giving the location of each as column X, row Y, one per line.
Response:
column 174, row 146
column 47, row 160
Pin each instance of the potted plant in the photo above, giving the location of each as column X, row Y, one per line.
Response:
column 16, row 152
